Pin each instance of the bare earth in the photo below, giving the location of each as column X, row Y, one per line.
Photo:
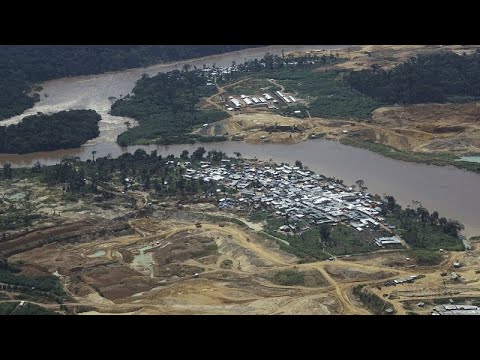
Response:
column 426, row 128
column 163, row 263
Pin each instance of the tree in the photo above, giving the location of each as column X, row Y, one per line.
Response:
column 299, row 164
column 7, row 171
column 391, row 204
column 198, row 154
column 184, row 155
column 423, row 214
column 128, row 124
column 360, row 184
column 3, row 263
column 94, row 152
column 325, row 232
column 37, row 167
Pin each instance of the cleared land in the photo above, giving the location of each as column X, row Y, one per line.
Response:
column 432, row 133
column 161, row 262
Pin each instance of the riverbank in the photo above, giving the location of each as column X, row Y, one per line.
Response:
column 438, row 159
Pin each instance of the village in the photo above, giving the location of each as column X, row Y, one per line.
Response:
column 271, row 101
column 302, row 197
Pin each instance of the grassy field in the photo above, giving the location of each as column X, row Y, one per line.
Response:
column 426, row 257
column 288, row 278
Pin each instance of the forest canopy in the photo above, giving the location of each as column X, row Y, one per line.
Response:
column 165, row 107
column 21, row 66
column 41, row 132
column 444, row 77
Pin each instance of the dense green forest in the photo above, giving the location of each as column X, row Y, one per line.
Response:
column 62, row 130
column 165, row 107
column 425, row 78
column 423, row 230
column 21, row 66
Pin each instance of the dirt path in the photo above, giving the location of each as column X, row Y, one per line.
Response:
column 272, row 81
column 220, row 91
column 275, row 258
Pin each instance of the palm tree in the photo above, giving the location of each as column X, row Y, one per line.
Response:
column 360, row 184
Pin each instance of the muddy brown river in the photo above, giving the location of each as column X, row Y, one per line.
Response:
column 452, row 192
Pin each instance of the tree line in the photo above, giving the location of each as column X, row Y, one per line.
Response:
column 165, row 107
column 21, row 66
column 422, row 229
column 163, row 176
column 422, row 79
column 42, row 132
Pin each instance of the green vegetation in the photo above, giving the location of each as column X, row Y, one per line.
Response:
column 288, row 278
column 346, row 240
column 373, row 302
column 290, row 111
column 150, row 172
column 23, row 66
column 327, row 92
column 426, row 78
column 62, row 130
column 440, row 159
column 217, row 218
column 13, row 308
column 164, row 106
column 426, row 257
column 316, row 243
column 226, row 264
column 253, row 86
column 44, row 284
column 423, row 230
column 419, row 228
column 13, row 218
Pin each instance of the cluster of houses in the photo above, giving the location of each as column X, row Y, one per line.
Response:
column 456, row 310
column 408, row 279
column 213, row 72
column 265, row 99
column 301, row 196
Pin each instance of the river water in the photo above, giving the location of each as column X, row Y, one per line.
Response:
column 452, row 192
